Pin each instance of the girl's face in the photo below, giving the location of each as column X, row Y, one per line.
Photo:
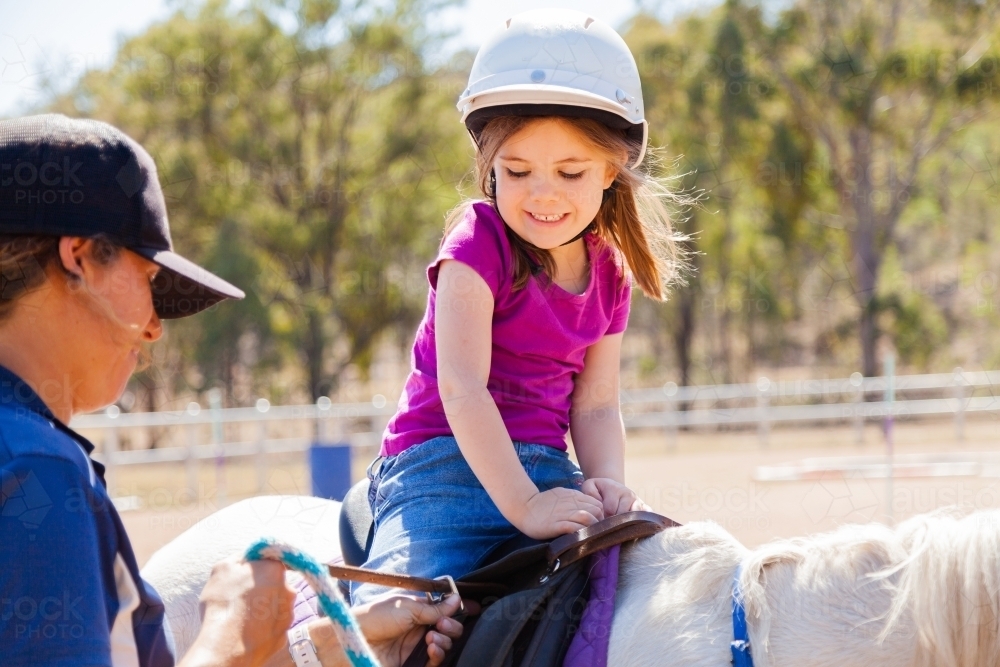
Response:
column 550, row 182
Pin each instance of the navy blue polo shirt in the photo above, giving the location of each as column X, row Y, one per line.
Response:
column 70, row 590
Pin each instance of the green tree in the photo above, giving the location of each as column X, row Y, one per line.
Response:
column 709, row 100
column 880, row 86
column 308, row 151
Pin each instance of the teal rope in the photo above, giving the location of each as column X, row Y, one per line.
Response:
column 330, row 600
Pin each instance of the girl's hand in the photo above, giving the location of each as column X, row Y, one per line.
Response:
column 558, row 511
column 614, row 497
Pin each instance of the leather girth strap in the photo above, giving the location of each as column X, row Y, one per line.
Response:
column 409, row 583
column 561, row 552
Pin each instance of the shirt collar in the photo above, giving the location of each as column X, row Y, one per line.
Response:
column 14, row 391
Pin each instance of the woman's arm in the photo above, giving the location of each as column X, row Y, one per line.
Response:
column 463, row 323
column 597, row 428
column 246, row 609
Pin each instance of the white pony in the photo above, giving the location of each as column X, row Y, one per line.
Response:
column 924, row 593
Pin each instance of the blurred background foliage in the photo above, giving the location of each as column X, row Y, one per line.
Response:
column 309, row 150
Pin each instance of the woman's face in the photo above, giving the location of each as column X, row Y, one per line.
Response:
column 550, row 182
column 112, row 317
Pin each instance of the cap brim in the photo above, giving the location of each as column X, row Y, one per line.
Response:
column 183, row 288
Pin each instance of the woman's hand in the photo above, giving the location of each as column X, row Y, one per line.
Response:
column 614, row 497
column 558, row 511
column 394, row 625
column 246, row 610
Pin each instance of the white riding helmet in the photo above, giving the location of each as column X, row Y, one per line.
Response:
column 556, row 62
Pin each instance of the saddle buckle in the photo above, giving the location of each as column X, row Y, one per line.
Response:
column 548, row 574
column 438, row 597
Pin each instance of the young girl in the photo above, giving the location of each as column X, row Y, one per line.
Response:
column 529, row 297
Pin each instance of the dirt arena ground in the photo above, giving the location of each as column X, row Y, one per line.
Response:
column 708, row 475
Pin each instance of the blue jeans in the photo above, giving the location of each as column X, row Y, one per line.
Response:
column 433, row 517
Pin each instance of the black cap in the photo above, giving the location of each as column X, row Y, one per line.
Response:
column 63, row 176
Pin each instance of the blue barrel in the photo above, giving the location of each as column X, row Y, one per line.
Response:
column 330, row 469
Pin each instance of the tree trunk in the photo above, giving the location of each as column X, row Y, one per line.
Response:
column 869, row 340
column 866, row 268
column 314, row 348
column 684, row 335
column 868, row 246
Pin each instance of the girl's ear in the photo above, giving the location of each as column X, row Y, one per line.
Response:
column 612, row 170
column 610, row 174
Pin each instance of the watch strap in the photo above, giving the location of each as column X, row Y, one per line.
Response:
column 301, row 647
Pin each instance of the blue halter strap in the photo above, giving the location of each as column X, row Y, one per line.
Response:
column 740, row 645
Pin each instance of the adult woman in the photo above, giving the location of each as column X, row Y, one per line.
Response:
column 87, row 272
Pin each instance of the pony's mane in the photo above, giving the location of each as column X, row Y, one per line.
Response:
column 924, row 593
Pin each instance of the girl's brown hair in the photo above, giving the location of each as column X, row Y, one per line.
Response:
column 633, row 218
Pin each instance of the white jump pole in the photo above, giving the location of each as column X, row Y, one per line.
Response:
column 890, row 398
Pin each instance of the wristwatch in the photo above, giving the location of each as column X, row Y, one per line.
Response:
column 301, row 647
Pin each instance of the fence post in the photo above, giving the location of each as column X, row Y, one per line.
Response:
column 215, row 405
column 110, row 451
column 763, row 425
column 260, row 463
column 335, row 425
column 858, row 381
column 670, row 389
column 190, row 462
column 959, row 392
column 323, row 405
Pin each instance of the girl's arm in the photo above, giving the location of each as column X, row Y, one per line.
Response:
column 597, row 428
column 595, row 419
column 463, row 323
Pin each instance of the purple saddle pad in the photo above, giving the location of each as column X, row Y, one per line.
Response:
column 589, row 647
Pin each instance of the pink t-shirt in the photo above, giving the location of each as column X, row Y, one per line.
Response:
column 540, row 336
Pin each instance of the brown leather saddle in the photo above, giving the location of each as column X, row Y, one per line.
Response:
column 531, row 593
column 532, row 560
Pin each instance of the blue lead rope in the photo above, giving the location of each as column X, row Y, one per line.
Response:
column 740, row 645
column 330, row 601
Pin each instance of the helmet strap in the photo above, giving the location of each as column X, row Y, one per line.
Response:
column 609, row 192
column 586, row 230
column 475, row 139
column 536, row 268
column 605, row 196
